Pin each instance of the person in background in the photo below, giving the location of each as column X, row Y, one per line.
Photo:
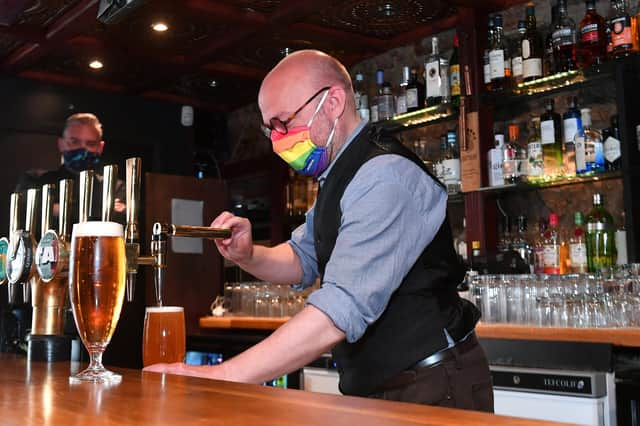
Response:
column 380, row 242
column 80, row 146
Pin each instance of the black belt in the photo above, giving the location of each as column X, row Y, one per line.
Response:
column 408, row 376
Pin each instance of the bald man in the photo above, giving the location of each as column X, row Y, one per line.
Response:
column 379, row 240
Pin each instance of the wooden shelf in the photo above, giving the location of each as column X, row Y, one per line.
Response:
column 629, row 337
column 246, row 323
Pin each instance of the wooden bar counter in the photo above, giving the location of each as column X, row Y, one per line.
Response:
column 34, row 393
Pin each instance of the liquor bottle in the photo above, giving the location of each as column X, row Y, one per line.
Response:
column 592, row 37
column 608, row 29
column 455, row 81
column 589, row 147
column 549, row 66
column 451, row 163
column 385, row 102
column 498, row 57
column 572, row 124
column 478, row 262
column 401, row 99
column 520, row 242
column 532, row 49
column 552, row 246
column 437, row 76
column 578, row 246
column 517, row 66
column 612, row 150
column 415, row 92
column 621, row 243
column 535, row 163
column 362, row 100
column 375, row 101
column 494, row 160
column 504, row 235
column 485, row 56
column 600, row 236
column 624, row 30
column 510, row 162
column 564, row 40
column 439, row 163
column 550, row 135
column 538, row 250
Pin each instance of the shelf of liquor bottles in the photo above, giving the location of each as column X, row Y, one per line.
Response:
column 552, row 85
column 543, row 183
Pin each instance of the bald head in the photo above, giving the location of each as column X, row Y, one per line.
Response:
column 299, row 76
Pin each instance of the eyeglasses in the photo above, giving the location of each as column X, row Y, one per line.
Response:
column 281, row 126
column 76, row 143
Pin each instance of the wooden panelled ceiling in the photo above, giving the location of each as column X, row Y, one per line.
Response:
column 231, row 42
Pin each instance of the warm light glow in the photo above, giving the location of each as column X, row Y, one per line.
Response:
column 96, row 64
column 160, row 27
column 213, row 83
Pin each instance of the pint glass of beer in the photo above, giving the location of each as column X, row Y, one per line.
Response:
column 163, row 339
column 97, row 273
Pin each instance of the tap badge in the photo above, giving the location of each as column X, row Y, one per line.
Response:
column 4, row 248
column 48, row 255
column 19, row 257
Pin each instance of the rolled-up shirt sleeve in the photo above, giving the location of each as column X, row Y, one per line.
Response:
column 303, row 246
column 391, row 211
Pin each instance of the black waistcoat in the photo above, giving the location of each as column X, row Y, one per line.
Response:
column 411, row 327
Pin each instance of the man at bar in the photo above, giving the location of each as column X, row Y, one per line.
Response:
column 379, row 239
column 81, row 146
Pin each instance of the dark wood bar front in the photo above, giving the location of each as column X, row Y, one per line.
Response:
column 40, row 393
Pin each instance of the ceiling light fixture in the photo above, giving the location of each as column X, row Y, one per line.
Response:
column 96, row 64
column 286, row 51
column 213, row 83
column 159, row 27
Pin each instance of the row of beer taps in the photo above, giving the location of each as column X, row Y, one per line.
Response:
column 40, row 269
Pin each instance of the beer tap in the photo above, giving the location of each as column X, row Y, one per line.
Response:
column 52, row 263
column 161, row 233
column 14, row 225
column 86, row 195
column 21, row 268
column 110, row 178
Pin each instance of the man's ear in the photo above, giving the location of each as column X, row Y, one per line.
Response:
column 336, row 101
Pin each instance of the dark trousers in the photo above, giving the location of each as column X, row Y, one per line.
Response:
column 461, row 382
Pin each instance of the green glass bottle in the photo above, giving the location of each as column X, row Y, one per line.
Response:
column 601, row 244
column 551, row 137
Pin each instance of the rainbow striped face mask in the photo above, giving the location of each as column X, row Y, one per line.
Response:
column 298, row 150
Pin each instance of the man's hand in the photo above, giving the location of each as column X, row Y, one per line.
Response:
column 204, row 371
column 238, row 248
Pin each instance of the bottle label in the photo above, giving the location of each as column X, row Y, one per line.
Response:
column 496, row 63
column 570, row 129
column 365, row 114
column 434, row 81
column 451, row 171
column 517, row 66
column 547, row 131
column 578, row 254
column 532, row 68
column 526, row 49
column 495, row 167
column 551, row 258
column 562, row 37
column 590, row 34
column 581, row 158
column 595, row 227
column 412, row 98
column 401, row 104
column 374, row 113
column 621, row 36
column 536, row 159
column 611, row 149
column 454, row 78
column 487, row 73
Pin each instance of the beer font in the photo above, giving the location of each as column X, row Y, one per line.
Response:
column 21, row 268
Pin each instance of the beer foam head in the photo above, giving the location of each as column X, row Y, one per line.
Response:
column 163, row 309
column 97, row 229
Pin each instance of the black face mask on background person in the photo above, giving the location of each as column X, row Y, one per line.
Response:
column 80, row 159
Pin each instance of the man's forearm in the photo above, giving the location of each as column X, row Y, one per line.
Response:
column 277, row 264
column 297, row 343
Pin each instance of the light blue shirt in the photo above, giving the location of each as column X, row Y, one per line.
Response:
column 391, row 210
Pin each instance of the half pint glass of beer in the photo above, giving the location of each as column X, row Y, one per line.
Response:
column 163, row 339
column 97, row 272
